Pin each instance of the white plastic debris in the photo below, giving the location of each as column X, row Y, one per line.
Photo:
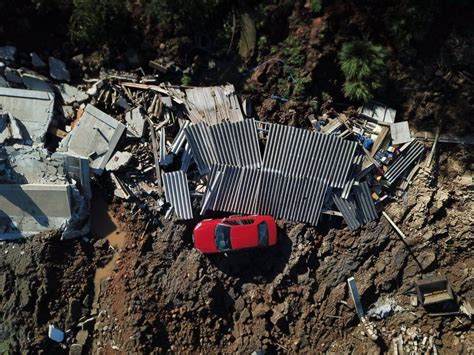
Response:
column 58, row 70
column 55, row 334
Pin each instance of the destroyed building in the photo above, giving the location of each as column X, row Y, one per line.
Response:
column 342, row 167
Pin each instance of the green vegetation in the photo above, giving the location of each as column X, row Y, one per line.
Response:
column 362, row 64
column 95, row 22
column 186, row 80
column 183, row 14
column 409, row 23
column 297, row 80
column 315, row 6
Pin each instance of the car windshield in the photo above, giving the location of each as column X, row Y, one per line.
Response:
column 262, row 234
column 222, row 236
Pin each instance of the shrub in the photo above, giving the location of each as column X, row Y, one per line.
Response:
column 362, row 64
column 187, row 14
column 315, row 6
column 95, row 22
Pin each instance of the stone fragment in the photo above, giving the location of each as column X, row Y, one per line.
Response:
column 8, row 53
column 58, row 70
column 36, row 61
column 118, row 160
column 135, row 123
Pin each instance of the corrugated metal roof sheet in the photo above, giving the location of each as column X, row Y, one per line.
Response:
column 297, row 170
column 304, row 154
column 177, row 194
column 213, row 104
column 233, row 144
column 179, row 139
column 354, row 171
column 364, row 202
column 251, row 190
column 404, row 161
column 349, row 211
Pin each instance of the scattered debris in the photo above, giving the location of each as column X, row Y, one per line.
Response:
column 436, row 296
column 55, row 334
column 135, row 123
column 33, row 109
column 8, row 53
column 400, row 132
column 95, row 138
column 118, row 161
column 383, row 308
column 58, row 70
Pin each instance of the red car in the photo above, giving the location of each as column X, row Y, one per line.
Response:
column 227, row 234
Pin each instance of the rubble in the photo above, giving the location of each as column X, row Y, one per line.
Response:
column 58, row 70
column 201, row 154
column 135, row 123
column 33, row 109
column 118, row 161
column 95, row 138
column 36, row 60
column 8, row 53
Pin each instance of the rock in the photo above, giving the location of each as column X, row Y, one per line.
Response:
column 260, row 310
column 102, row 244
column 75, row 349
column 244, row 315
column 81, row 337
column 118, row 160
column 58, row 70
column 427, row 259
column 239, row 304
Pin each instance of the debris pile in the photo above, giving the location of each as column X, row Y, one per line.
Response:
column 229, row 162
column 192, row 151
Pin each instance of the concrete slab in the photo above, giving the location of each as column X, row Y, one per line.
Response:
column 29, row 209
column 95, row 137
column 34, row 110
column 400, row 132
column 135, row 123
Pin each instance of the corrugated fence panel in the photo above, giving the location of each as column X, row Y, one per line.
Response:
column 177, row 194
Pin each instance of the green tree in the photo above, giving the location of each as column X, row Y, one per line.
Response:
column 95, row 22
column 362, row 64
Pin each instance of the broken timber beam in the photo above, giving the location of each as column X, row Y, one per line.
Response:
column 155, row 153
column 433, row 149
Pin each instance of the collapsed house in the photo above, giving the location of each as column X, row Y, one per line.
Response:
column 40, row 192
column 220, row 158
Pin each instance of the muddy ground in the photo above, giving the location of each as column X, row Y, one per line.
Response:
column 162, row 295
